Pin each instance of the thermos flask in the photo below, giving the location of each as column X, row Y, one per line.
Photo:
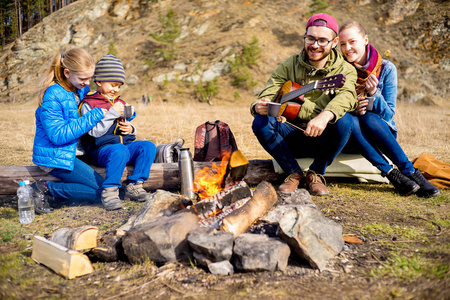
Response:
column 186, row 166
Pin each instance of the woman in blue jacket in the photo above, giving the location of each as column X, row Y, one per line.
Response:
column 58, row 128
column 374, row 129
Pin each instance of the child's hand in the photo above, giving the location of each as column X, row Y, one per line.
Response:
column 125, row 128
column 118, row 106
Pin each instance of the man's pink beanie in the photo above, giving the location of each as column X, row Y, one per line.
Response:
column 323, row 20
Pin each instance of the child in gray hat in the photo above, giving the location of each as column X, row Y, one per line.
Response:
column 112, row 141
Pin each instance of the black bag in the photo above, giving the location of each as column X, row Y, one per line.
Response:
column 168, row 153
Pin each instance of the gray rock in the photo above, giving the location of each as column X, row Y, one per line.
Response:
column 297, row 197
column 311, row 235
column 398, row 10
column 212, row 245
column 255, row 252
column 214, row 71
column 161, row 203
column 286, row 203
column 161, row 240
column 223, row 268
column 201, row 260
column 132, row 79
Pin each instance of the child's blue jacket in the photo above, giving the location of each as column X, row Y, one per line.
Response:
column 58, row 127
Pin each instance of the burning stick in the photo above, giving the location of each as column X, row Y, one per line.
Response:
column 282, row 119
column 238, row 221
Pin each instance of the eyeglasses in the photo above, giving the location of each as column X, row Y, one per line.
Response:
column 310, row 40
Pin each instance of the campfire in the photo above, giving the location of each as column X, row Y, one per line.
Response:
column 210, row 181
column 218, row 228
column 221, row 190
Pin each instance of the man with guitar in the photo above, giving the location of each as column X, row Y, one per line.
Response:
column 322, row 126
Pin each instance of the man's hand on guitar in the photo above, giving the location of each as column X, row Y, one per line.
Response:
column 261, row 106
column 317, row 125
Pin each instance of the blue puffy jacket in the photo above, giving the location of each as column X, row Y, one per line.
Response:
column 58, row 127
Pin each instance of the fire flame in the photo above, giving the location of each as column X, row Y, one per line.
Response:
column 210, row 181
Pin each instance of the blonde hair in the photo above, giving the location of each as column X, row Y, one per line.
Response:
column 358, row 25
column 75, row 60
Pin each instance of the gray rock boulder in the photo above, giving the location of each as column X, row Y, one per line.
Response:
column 212, row 245
column 254, row 252
column 311, row 235
column 222, row 268
column 161, row 240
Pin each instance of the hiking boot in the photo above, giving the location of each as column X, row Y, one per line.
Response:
column 110, row 198
column 290, row 184
column 426, row 189
column 316, row 183
column 402, row 184
column 41, row 195
column 135, row 192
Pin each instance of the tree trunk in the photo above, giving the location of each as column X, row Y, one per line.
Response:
column 19, row 17
column 162, row 175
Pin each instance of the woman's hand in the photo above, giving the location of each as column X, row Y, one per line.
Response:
column 371, row 84
column 125, row 128
column 362, row 105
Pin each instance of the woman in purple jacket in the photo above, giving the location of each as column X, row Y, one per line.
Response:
column 374, row 132
column 58, row 128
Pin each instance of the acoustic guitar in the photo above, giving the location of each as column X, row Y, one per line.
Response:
column 291, row 94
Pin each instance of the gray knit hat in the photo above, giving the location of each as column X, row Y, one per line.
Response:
column 109, row 68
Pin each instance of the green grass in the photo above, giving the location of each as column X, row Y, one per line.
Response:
column 388, row 231
column 412, row 267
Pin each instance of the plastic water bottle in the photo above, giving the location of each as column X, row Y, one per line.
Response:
column 25, row 203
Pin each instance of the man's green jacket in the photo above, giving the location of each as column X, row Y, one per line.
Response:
column 297, row 69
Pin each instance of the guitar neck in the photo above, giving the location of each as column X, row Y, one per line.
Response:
column 298, row 92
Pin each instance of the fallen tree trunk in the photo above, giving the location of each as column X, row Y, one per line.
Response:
column 162, row 175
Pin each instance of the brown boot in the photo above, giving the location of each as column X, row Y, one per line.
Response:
column 316, row 184
column 290, row 184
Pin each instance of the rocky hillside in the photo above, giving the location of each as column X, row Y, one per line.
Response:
column 213, row 34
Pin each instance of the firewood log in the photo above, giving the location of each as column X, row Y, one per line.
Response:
column 68, row 263
column 264, row 197
column 80, row 238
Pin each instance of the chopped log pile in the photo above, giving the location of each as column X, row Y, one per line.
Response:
column 59, row 253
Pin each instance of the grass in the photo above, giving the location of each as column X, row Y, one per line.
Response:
column 412, row 267
column 390, row 231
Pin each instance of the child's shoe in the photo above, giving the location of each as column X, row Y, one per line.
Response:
column 110, row 198
column 135, row 192
column 426, row 188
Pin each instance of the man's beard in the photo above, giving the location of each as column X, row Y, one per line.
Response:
column 323, row 55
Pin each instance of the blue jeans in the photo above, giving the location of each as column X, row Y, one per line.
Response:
column 115, row 157
column 82, row 183
column 372, row 137
column 286, row 143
